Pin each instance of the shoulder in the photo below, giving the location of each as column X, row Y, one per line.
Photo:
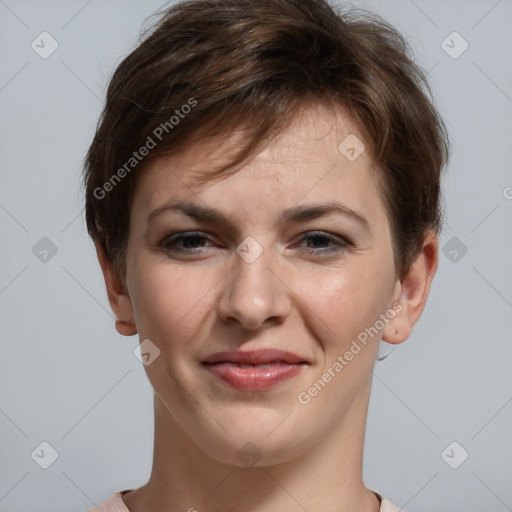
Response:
column 113, row 504
column 387, row 505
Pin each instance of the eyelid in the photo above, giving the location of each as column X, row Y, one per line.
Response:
column 183, row 234
column 330, row 236
column 341, row 243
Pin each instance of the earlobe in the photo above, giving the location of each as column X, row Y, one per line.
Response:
column 125, row 328
column 118, row 297
column 412, row 292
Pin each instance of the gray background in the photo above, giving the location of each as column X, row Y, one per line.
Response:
column 69, row 379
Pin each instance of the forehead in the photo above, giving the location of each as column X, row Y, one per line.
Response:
column 321, row 155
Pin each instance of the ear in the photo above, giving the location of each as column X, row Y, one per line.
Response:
column 118, row 297
column 412, row 291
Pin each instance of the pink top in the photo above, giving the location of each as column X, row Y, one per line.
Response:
column 116, row 504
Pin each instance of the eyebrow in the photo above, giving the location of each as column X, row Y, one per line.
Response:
column 295, row 214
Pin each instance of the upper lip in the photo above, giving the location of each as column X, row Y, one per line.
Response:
column 261, row 356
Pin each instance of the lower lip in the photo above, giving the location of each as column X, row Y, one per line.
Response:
column 254, row 378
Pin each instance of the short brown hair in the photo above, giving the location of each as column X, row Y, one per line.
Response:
column 256, row 63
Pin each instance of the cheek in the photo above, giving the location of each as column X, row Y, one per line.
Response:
column 352, row 299
column 170, row 302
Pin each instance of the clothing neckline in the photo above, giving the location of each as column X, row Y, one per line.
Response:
column 379, row 496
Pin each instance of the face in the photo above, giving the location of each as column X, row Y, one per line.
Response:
column 263, row 273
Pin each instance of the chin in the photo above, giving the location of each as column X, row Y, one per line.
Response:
column 251, row 441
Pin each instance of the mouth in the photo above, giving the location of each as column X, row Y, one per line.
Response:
column 254, row 370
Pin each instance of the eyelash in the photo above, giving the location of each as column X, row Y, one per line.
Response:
column 170, row 242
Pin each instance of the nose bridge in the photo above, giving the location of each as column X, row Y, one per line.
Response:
column 253, row 294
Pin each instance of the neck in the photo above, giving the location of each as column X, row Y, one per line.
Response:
column 325, row 477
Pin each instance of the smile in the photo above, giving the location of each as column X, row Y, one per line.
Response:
column 254, row 370
column 254, row 377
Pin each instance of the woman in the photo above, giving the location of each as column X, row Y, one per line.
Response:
column 263, row 191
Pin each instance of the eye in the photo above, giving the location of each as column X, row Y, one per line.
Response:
column 320, row 239
column 183, row 242
column 193, row 242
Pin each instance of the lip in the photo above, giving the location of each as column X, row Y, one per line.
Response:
column 261, row 356
column 282, row 366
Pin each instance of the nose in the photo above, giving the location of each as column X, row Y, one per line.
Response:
column 254, row 294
